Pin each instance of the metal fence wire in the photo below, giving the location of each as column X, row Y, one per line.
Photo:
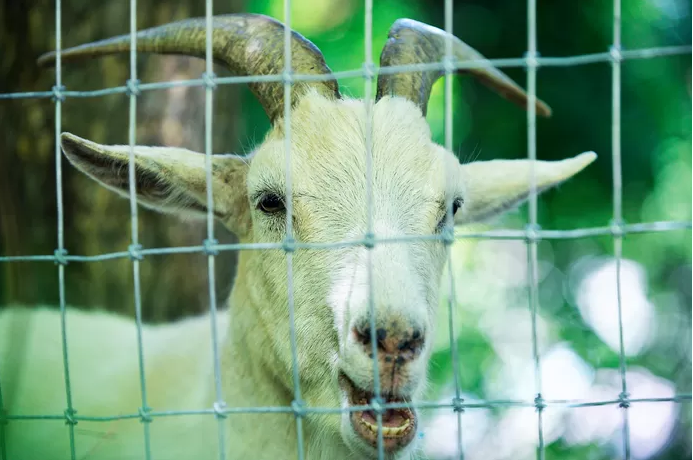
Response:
column 532, row 234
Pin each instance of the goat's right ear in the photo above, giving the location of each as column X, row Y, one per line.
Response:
column 167, row 179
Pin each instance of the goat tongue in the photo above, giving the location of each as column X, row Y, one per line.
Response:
column 393, row 418
column 369, row 416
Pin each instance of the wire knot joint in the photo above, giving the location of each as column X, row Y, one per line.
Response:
column 449, row 64
column 209, row 80
column 70, row 417
column 298, row 408
column 369, row 240
column 377, row 405
column 458, row 404
column 289, row 244
column 615, row 53
column 448, row 235
column 209, row 247
column 60, row 256
column 133, row 88
column 532, row 60
column 144, row 413
column 58, row 93
column 368, row 70
column 532, row 233
column 134, row 252
column 617, row 228
column 623, row 401
column 219, row 408
column 539, row 403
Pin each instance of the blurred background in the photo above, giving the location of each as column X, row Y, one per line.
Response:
column 577, row 318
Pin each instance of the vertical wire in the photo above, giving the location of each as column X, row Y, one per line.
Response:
column 367, row 97
column 531, row 231
column 70, row 411
column 297, row 403
column 452, row 300
column 617, row 210
column 144, row 417
column 219, row 403
column 3, row 422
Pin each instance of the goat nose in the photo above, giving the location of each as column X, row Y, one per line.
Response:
column 393, row 343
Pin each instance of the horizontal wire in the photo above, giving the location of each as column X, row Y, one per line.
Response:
column 567, row 61
column 475, row 404
column 501, row 234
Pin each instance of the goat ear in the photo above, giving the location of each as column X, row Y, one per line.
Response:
column 493, row 187
column 167, row 179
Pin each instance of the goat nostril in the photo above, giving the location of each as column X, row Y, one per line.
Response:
column 398, row 348
column 412, row 343
column 363, row 335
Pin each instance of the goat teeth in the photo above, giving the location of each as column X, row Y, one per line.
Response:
column 389, row 430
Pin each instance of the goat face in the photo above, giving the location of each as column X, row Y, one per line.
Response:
column 331, row 286
column 412, row 182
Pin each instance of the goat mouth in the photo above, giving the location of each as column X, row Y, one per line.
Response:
column 398, row 425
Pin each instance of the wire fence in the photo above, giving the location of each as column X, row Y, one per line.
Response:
column 532, row 234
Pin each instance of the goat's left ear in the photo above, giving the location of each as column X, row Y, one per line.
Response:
column 493, row 187
column 167, row 179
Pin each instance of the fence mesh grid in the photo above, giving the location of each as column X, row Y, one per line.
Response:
column 210, row 247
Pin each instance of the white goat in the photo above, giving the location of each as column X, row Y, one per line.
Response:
column 414, row 182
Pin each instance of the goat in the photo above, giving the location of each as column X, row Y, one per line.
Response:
column 415, row 183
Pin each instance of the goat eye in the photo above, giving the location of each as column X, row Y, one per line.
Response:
column 456, row 203
column 271, row 204
column 456, row 206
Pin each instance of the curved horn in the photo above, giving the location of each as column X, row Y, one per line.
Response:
column 412, row 42
column 247, row 44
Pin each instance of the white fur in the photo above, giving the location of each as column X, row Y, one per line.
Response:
column 411, row 176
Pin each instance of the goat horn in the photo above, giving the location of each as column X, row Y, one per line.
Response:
column 247, row 44
column 412, row 42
